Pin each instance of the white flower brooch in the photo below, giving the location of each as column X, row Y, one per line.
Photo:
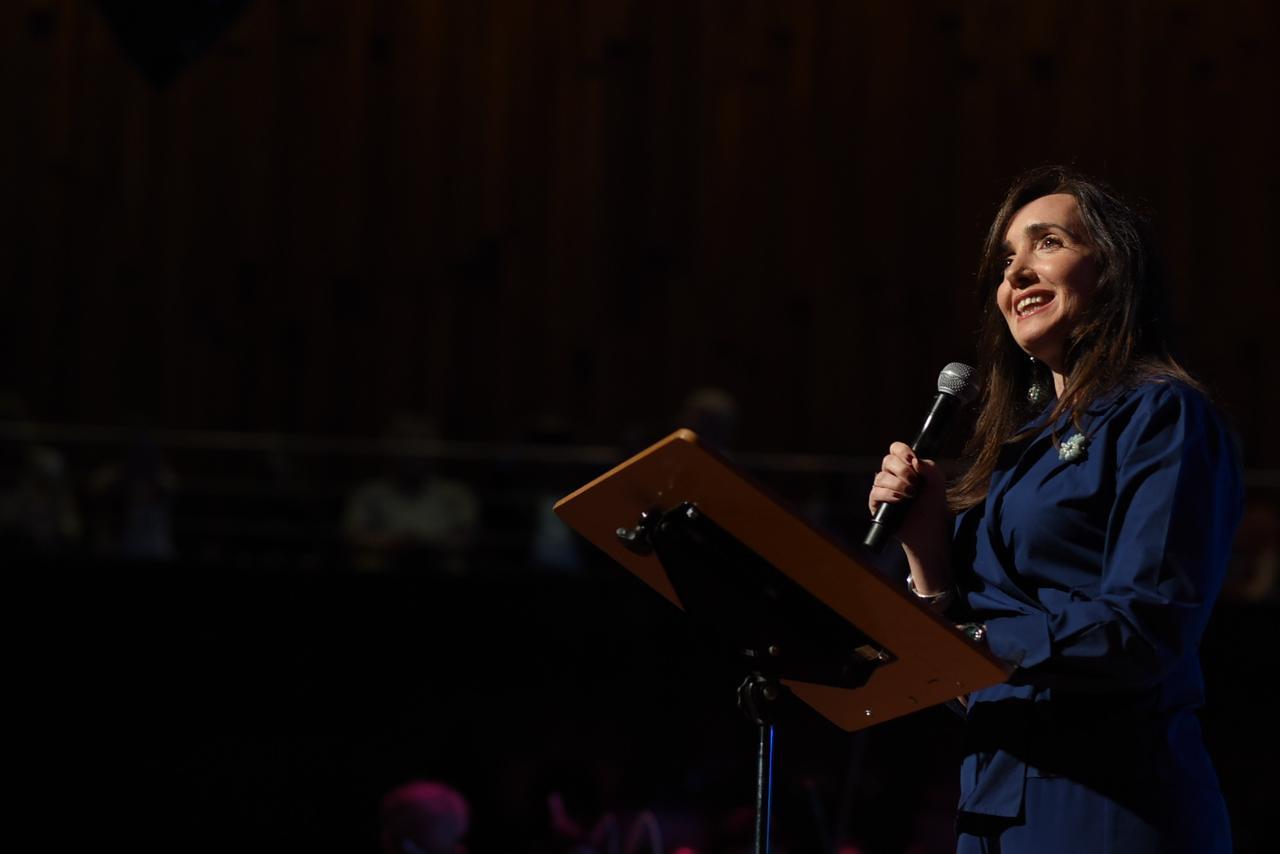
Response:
column 1073, row 449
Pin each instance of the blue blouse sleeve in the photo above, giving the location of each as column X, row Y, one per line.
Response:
column 1177, row 500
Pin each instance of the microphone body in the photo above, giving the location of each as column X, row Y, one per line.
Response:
column 955, row 389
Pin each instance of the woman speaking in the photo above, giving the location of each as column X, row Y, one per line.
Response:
column 1085, row 543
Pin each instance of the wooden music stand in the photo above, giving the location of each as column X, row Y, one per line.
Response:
column 806, row 617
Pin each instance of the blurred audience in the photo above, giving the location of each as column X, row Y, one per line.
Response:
column 712, row 413
column 38, row 509
column 412, row 516
column 423, row 817
column 553, row 544
column 644, row 831
column 1254, row 572
column 131, row 504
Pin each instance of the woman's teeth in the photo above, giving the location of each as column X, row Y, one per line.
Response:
column 1027, row 303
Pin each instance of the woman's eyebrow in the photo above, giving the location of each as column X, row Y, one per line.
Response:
column 1035, row 228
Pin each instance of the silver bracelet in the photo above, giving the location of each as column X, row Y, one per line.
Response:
column 936, row 601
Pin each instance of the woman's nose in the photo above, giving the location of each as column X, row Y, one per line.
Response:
column 1020, row 275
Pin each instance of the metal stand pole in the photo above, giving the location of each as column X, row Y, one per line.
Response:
column 757, row 696
column 764, row 790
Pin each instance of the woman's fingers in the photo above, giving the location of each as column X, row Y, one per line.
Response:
column 880, row 495
column 899, row 469
column 892, row 483
column 903, row 451
column 897, row 479
column 898, row 474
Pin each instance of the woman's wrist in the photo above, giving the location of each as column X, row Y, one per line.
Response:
column 939, row 601
column 928, row 553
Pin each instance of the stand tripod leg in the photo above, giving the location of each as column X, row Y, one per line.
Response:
column 764, row 790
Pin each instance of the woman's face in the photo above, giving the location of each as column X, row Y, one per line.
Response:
column 1050, row 272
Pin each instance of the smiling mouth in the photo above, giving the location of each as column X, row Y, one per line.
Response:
column 1032, row 304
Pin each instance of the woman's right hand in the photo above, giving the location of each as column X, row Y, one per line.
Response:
column 923, row 530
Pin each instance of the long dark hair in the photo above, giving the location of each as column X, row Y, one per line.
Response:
column 1120, row 338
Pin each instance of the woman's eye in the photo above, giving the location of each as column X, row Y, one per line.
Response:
column 1007, row 261
column 1050, row 241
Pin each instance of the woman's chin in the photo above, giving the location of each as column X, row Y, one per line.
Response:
column 1049, row 356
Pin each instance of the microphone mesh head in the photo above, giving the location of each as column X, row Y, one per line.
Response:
column 959, row 380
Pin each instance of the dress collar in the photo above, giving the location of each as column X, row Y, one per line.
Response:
column 1098, row 406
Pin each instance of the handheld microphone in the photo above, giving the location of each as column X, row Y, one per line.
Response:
column 956, row 388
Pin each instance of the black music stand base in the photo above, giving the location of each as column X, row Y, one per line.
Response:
column 774, row 627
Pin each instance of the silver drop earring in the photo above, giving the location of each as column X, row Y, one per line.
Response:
column 1037, row 391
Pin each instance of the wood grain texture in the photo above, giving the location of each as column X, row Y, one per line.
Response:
column 491, row 210
column 931, row 662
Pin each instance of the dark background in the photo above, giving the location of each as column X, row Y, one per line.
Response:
column 248, row 225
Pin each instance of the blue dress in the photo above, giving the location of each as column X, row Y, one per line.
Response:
column 1095, row 576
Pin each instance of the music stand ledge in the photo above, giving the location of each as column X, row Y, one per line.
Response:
column 775, row 588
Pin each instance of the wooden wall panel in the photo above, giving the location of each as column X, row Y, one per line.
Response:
column 494, row 209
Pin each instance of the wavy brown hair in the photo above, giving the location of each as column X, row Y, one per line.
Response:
column 1120, row 337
